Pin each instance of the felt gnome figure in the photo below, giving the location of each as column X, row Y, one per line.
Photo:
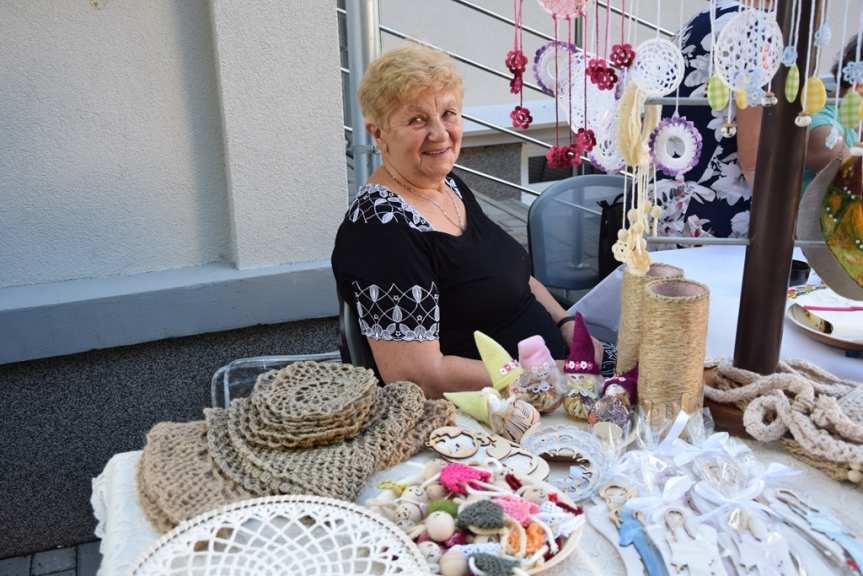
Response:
column 581, row 373
column 509, row 417
column 541, row 383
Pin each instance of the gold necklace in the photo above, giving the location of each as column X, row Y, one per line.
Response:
column 408, row 187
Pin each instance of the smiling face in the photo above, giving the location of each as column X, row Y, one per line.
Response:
column 422, row 138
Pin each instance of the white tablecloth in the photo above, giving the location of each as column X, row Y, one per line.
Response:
column 721, row 269
column 126, row 535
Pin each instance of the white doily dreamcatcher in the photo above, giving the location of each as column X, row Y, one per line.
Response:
column 297, row 535
column 658, row 67
column 564, row 8
column 545, row 70
column 600, row 103
column 748, row 51
column 605, row 154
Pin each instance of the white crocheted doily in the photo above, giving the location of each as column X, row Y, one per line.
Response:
column 658, row 67
column 296, row 535
column 749, row 50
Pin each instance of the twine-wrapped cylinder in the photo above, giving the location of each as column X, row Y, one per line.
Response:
column 671, row 355
column 631, row 311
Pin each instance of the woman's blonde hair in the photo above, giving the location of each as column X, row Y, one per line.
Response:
column 402, row 74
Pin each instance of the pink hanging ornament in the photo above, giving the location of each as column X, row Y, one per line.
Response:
column 564, row 8
column 516, row 63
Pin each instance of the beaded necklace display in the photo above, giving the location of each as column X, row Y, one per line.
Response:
column 457, row 222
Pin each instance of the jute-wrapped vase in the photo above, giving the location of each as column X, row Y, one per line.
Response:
column 671, row 355
column 632, row 310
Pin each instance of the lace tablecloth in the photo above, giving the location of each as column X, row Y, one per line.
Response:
column 126, row 534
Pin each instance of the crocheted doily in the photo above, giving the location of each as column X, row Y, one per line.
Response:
column 658, row 67
column 749, row 50
column 296, row 535
column 338, row 470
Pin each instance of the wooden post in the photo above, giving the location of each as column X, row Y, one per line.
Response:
column 775, row 200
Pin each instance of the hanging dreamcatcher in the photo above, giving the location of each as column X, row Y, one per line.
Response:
column 549, row 62
column 516, row 63
column 675, row 144
column 658, row 66
column 814, row 95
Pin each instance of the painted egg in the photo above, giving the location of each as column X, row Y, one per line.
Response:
column 814, row 95
column 850, row 109
column 440, row 526
column 431, row 552
column 717, row 93
column 792, row 83
column 740, row 99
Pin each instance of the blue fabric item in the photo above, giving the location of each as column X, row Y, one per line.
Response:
column 632, row 532
column 829, row 525
column 716, row 199
column 829, row 116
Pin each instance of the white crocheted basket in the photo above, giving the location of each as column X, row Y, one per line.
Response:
column 279, row 535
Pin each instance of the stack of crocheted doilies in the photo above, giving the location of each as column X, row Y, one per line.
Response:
column 310, row 428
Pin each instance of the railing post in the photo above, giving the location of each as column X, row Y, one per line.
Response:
column 364, row 44
column 775, row 199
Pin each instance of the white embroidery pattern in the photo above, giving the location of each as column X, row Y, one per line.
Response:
column 394, row 314
column 377, row 202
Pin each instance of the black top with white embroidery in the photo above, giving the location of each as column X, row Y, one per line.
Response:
column 410, row 282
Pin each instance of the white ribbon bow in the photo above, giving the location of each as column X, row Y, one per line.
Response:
column 746, row 497
column 672, row 496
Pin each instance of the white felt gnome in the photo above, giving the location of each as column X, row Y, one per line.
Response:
column 506, row 416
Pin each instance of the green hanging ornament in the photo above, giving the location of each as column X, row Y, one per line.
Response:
column 850, row 109
column 792, row 83
column 717, row 93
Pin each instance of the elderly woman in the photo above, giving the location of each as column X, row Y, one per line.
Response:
column 416, row 255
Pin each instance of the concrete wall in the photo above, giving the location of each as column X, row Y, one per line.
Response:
column 147, row 143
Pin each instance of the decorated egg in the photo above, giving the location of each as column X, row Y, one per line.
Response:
column 814, row 95
column 717, row 93
column 431, row 552
column 740, row 99
column 850, row 109
column 792, row 83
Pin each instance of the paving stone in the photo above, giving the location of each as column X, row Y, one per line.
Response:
column 89, row 559
column 17, row 566
column 52, row 561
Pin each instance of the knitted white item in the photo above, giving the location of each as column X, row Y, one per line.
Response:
column 822, row 413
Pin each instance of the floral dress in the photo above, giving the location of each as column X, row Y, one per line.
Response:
column 714, row 200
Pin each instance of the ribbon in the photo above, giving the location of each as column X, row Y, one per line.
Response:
column 707, row 492
column 672, row 495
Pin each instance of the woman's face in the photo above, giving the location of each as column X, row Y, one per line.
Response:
column 423, row 138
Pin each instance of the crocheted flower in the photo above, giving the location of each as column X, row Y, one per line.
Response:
column 606, row 79
column 822, row 36
column 622, row 55
column 586, row 139
column 521, row 117
column 789, row 55
column 485, row 515
column 853, row 72
column 573, row 152
column 516, row 84
column 558, row 157
column 595, row 66
column 455, row 477
column 516, row 61
column 519, row 509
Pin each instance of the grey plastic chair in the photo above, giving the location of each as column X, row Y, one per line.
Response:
column 563, row 230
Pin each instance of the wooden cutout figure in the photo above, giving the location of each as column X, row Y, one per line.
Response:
column 687, row 546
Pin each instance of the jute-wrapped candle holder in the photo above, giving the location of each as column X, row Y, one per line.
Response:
column 632, row 310
column 671, row 355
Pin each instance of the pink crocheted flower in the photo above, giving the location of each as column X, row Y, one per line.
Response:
column 516, row 61
column 516, row 84
column 558, row 157
column 586, row 139
column 606, row 79
column 622, row 55
column 573, row 152
column 456, row 477
column 521, row 117
column 595, row 67
column 518, row 509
